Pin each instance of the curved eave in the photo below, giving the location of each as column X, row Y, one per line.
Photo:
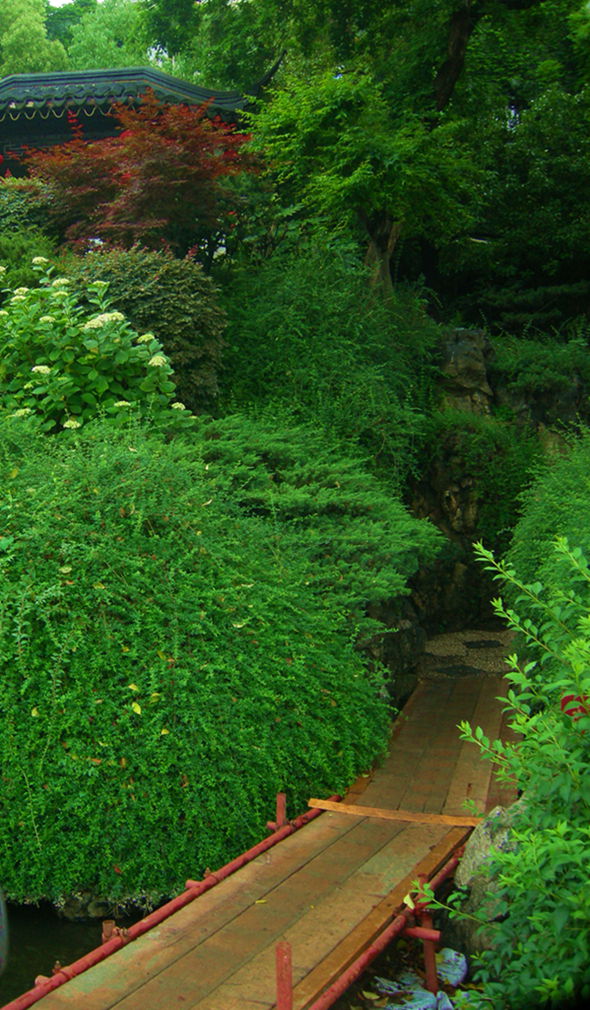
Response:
column 28, row 93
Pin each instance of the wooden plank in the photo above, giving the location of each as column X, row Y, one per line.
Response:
column 209, row 959
column 472, row 774
column 326, row 920
column 337, row 962
column 416, row 817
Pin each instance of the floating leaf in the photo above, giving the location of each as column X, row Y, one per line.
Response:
column 133, row 687
column 35, row 711
column 136, row 708
column 164, row 732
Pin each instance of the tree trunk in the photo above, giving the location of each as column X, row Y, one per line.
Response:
column 383, row 237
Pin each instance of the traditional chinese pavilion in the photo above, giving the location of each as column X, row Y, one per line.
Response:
column 34, row 107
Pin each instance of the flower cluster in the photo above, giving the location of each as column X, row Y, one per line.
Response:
column 97, row 322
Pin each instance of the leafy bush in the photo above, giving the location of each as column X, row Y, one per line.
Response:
column 24, row 203
column 171, row 650
column 557, row 504
column 362, row 544
column 17, row 250
column 542, row 365
column 305, row 329
column 541, row 936
column 68, row 363
column 172, row 298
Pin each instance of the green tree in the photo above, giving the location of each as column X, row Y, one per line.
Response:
column 335, row 147
column 61, row 20
column 108, row 36
column 24, row 45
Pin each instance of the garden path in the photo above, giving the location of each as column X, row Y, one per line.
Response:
column 332, row 886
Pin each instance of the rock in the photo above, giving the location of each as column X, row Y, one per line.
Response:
column 464, row 367
column 492, row 834
column 83, row 905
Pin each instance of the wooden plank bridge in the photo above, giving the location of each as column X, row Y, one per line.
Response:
column 328, row 889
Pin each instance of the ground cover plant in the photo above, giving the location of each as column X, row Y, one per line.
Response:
column 541, row 895
column 173, row 655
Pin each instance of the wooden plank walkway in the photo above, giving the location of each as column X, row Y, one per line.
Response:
column 328, row 889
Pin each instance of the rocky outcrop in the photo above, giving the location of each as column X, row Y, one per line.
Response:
column 468, row 932
column 465, row 383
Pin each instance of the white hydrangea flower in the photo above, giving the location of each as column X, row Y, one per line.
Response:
column 59, row 293
column 146, row 338
column 97, row 322
column 47, row 319
column 3, row 312
column 42, row 369
column 157, row 361
column 60, row 282
column 39, row 261
column 18, row 298
column 122, row 403
column 21, row 291
column 2, row 269
column 22, row 412
column 72, row 423
column 178, row 405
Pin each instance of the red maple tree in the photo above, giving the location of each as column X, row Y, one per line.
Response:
column 165, row 179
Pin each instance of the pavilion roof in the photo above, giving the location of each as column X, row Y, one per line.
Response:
column 29, row 95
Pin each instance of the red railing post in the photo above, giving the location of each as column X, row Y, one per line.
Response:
column 284, row 976
column 281, row 813
column 425, row 920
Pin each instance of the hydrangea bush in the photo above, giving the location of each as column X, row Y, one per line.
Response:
column 67, row 362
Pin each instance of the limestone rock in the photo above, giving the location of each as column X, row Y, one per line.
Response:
column 492, row 834
column 464, row 368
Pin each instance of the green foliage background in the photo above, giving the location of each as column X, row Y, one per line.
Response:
column 306, row 332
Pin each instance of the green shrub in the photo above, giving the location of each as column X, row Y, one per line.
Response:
column 17, row 249
column 23, row 204
column 542, row 366
column 67, row 362
column 305, row 329
column 557, row 504
column 175, row 300
column 362, row 544
column 172, row 652
column 541, row 935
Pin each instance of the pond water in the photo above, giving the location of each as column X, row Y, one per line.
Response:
column 38, row 938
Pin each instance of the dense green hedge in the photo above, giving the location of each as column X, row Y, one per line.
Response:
column 171, row 651
column 175, row 300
